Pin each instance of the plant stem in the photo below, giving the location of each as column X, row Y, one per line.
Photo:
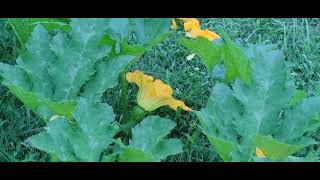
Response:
column 136, row 115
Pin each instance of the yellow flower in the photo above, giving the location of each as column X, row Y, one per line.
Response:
column 153, row 94
column 191, row 24
column 188, row 19
column 259, row 153
column 174, row 24
column 203, row 33
column 193, row 29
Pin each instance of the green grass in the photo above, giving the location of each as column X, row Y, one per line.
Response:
column 16, row 121
column 298, row 38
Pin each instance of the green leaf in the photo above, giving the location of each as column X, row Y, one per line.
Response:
column 37, row 79
column 148, row 139
column 87, row 138
column 167, row 147
column 297, row 97
column 54, row 140
column 150, row 132
column 209, row 52
column 233, row 118
column 125, row 49
column 133, row 50
column 15, row 76
column 118, row 28
column 34, row 101
column 149, row 32
column 288, row 159
column 269, row 93
column 300, row 120
column 51, row 23
column 94, row 132
column 77, row 57
column 274, row 149
column 134, row 155
column 218, row 122
column 24, row 26
column 223, row 147
column 236, row 62
column 29, row 99
column 106, row 77
column 121, row 29
column 18, row 83
column 36, row 61
column 150, row 29
column 62, row 108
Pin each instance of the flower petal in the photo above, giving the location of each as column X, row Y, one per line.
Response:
column 211, row 35
column 187, row 19
column 174, row 24
column 259, row 153
column 138, row 77
column 191, row 25
column 204, row 33
column 153, row 94
column 174, row 104
column 162, row 90
column 193, row 29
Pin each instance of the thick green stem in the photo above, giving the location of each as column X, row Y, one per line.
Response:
column 124, row 89
column 136, row 115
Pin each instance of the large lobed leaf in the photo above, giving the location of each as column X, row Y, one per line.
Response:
column 23, row 27
column 269, row 93
column 83, row 140
column 299, row 121
column 119, row 30
column 53, row 70
column 148, row 142
column 148, row 32
column 238, row 120
column 76, row 57
column 236, row 63
column 106, row 77
column 275, row 149
column 208, row 51
column 218, row 122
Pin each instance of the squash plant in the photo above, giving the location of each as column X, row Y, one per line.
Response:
column 88, row 138
column 55, row 71
column 240, row 119
column 221, row 50
column 66, row 65
column 62, row 79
